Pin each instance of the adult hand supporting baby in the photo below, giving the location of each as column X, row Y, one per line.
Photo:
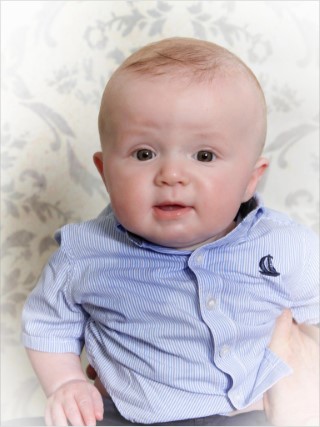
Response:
column 294, row 400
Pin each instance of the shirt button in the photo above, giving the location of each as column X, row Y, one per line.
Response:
column 237, row 398
column 199, row 259
column 211, row 303
column 224, row 351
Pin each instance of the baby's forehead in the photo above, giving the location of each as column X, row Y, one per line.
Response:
column 234, row 88
column 126, row 81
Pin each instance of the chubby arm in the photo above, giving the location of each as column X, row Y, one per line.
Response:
column 70, row 396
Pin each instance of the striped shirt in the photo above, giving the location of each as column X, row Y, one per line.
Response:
column 176, row 334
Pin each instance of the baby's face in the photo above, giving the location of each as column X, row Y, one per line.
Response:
column 179, row 158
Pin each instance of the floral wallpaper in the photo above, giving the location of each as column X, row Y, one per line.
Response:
column 56, row 59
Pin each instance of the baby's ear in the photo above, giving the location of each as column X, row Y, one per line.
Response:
column 258, row 170
column 98, row 161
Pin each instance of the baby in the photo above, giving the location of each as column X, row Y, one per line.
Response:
column 174, row 289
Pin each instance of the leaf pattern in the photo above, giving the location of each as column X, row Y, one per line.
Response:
column 56, row 62
column 51, row 117
column 18, row 239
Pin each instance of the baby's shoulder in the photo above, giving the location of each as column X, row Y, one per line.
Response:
column 88, row 238
column 279, row 225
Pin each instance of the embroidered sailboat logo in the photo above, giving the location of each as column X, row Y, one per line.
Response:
column 266, row 266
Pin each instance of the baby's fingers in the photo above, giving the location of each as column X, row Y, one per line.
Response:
column 55, row 417
column 97, row 403
column 76, row 402
column 86, row 408
column 73, row 413
column 70, row 412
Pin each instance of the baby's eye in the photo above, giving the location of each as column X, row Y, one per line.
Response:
column 144, row 154
column 205, row 156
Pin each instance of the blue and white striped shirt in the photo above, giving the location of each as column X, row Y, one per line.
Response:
column 176, row 334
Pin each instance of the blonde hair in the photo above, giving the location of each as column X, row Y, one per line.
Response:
column 198, row 60
column 192, row 57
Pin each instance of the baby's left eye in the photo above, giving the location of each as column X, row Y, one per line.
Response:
column 205, row 156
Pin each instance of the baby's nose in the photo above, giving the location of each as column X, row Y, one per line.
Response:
column 172, row 174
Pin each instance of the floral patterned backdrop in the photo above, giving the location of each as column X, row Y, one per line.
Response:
column 56, row 59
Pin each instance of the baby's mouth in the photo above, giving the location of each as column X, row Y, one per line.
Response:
column 170, row 207
column 170, row 210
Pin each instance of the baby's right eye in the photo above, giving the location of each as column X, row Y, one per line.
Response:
column 144, row 154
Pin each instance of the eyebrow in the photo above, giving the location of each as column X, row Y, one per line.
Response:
column 203, row 134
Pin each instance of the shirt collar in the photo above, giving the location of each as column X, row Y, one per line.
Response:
column 248, row 216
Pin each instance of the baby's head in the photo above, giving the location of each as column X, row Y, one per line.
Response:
column 182, row 126
column 191, row 60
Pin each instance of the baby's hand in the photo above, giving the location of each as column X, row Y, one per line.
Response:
column 78, row 402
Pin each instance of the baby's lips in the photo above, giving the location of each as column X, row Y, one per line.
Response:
column 170, row 207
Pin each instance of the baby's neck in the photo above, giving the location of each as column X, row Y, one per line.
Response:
column 211, row 239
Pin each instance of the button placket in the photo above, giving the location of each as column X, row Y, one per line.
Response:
column 215, row 315
column 211, row 313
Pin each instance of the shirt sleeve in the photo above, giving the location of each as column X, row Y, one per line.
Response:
column 51, row 322
column 305, row 306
